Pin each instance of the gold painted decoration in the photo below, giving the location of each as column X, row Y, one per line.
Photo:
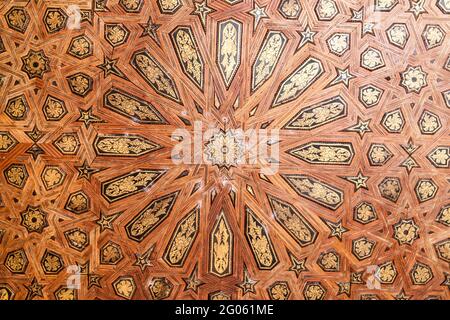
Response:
column 188, row 54
column 221, row 248
column 52, row 177
column 7, row 141
column 169, row 6
column 35, row 64
column 67, row 143
column 229, row 42
column 123, row 145
column 34, row 219
column 160, row 288
column 55, row 19
column 129, row 184
column 150, row 217
column 260, row 242
column 110, row 253
column 54, row 109
column 65, row 293
column 16, row 261
column 17, row 108
column 124, row 287
column 17, row 19
column 314, row 291
column 334, row 153
column 155, row 75
column 132, row 107
column 439, row 157
column 292, row 221
column 52, row 262
column 298, row 81
column 267, row 58
column 315, row 190
column 77, row 239
column 290, row 9
column 279, row 290
column 116, row 34
column 182, row 239
column 16, row 175
column 78, row 202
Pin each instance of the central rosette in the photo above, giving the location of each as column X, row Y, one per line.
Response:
column 225, row 149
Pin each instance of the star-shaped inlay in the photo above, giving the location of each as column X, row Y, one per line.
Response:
column 109, row 66
column 85, row 171
column 193, row 282
column 409, row 164
column 361, row 127
column 357, row 15
column 35, row 151
column 83, row 268
column 402, row 296
column 35, row 134
column 410, row 147
column 258, row 13
column 298, row 265
column 247, row 285
column 88, row 117
column 202, row 10
column 359, row 180
column 356, row 277
column 367, row 28
column 307, row 36
column 34, row 290
column 106, row 221
column 337, row 229
column 344, row 288
column 143, row 260
column 150, row 29
column 343, row 76
column 94, row 280
column 416, row 7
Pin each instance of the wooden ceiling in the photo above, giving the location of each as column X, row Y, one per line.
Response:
column 94, row 98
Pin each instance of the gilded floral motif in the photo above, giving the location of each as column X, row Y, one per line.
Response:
column 7, row 141
column 290, row 9
column 17, row 108
column 80, row 47
column 110, row 253
column 229, row 48
column 292, row 221
column 429, row 123
column 55, row 19
column 51, row 262
column 364, row 213
column 379, row 154
column 439, row 157
column 116, row 34
column 398, row 35
column 421, row 274
column 279, row 290
column 16, row 175
column 315, row 190
column 319, row 114
column 433, row 36
column 77, row 239
column 80, row 84
column 393, row 121
column 155, row 75
column 54, row 109
column 188, row 54
column 298, row 81
column 326, row 9
column 132, row 6
column 267, row 58
column 444, row 216
column 329, row 261
column 124, row 287
column 35, row 64
column 52, row 177
column 182, row 239
column 363, row 248
column 260, row 242
column 385, row 5
column 425, row 189
column 414, row 79
column 130, row 184
column 68, row 143
column 34, row 219
column 150, row 217
column 66, row 294
column 17, row 19
column 221, row 248
column 386, row 273
column 406, row 231
column 370, row 95
column 390, row 188
column 123, row 145
column 160, row 288
column 78, row 202
column 132, row 107
column 16, row 261
column 372, row 59
column 443, row 250
column 339, row 43
column 169, row 6
column 314, row 291
column 340, row 153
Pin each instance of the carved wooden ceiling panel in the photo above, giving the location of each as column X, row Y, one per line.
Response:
column 98, row 200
